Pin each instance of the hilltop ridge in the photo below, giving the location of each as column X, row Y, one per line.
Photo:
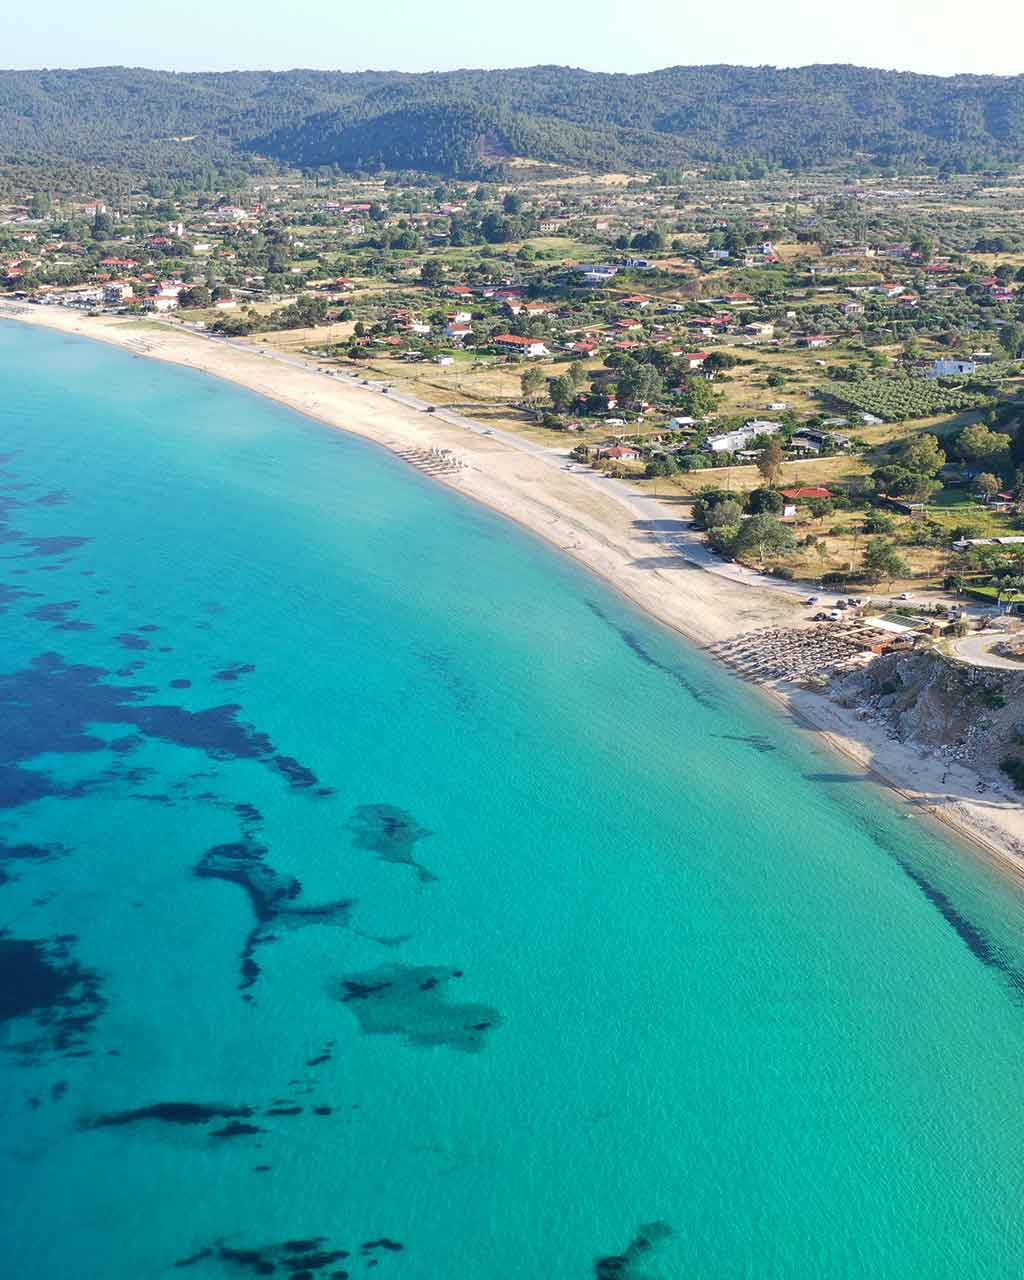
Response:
column 464, row 123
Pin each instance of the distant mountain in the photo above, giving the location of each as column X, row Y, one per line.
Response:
column 463, row 123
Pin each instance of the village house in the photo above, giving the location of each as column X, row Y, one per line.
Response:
column 731, row 441
column 620, row 453
column 952, row 368
column 793, row 497
column 597, row 275
column 515, row 345
column 458, row 332
column 117, row 291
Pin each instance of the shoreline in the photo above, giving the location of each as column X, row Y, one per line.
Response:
column 604, row 531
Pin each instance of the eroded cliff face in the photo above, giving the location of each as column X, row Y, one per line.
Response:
column 970, row 714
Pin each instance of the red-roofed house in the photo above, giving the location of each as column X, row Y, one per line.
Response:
column 619, row 453
column 515, row 345
column 812, row 493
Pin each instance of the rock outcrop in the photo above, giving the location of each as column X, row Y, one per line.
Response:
column 973, row 715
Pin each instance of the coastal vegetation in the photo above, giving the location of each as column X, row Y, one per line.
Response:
column 837, row 355
column 744, row 122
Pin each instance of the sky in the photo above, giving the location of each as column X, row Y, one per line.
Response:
column 935, row 36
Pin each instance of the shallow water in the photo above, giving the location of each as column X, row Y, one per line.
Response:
column 373, row 877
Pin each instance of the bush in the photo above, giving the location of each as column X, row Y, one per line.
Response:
column 1014, row 770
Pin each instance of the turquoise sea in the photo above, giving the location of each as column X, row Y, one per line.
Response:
column 382, row 895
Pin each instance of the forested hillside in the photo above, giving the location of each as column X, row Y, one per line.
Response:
column 465, row 122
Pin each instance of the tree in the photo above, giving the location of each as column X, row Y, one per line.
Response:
column 769, row 536
column 638, row 383
column 765, row 502
column 769, row 464
column 660, row 467
column 922, row 246
column 532, row 383
column 562, row 392
column 922, row 453
column 978, row 441
column 497, row 229
column 197, row 296
column 513, row 202
column 102, row 226
column 1011, row 338
column 725, row 513
column 578, row 374
column 987, row 484
column 39, row 206
column 697, row 399
column 883, row 561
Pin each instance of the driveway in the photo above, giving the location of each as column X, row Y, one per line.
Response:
column 976, row 649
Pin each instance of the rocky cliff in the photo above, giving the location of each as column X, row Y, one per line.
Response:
column 973, row 715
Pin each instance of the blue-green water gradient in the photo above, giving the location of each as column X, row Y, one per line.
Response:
column 707, row 977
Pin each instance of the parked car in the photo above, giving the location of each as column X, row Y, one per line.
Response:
column 811, row 600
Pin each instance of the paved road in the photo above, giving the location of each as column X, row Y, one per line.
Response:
column 976, row 649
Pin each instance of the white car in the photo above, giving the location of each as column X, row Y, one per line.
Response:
column 834, row 615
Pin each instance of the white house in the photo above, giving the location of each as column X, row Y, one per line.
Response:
column 514, row 345
column 952, row 368
column 458, row 332
column 730, row 441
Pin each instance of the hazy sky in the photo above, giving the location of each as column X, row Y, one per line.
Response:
column 937, row 36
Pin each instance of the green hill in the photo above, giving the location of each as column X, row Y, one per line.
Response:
column 462, row 122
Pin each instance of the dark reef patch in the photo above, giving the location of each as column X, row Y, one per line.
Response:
column 411, row 1002
column 128, row 640
column 55, row 546
column 236, row 1129
column 633, row 642
column 44, row 984
column 31, row 852
column 298, row 1259
column 50, row 706
column 974, row 939
column 233, row 671
column 756, row 740
column 645, row 1244
column 55, row 498
column 181, row 683
column 390, row 833
column 169, row 1113
column 272, row 897
column 8, row 595
column 59, row 613
column 298, row 776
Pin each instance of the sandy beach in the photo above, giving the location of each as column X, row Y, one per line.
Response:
column 611, row 530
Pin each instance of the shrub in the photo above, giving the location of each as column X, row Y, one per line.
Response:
column 1014, row 770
